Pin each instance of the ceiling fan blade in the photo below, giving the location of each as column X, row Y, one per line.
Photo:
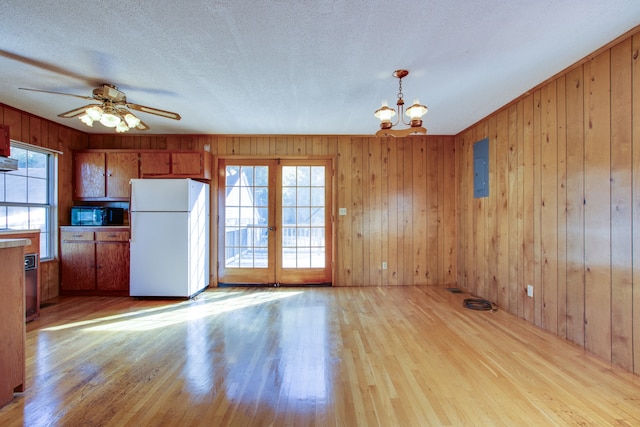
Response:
column 76, row 111
column 157, row 112
column 57, row 93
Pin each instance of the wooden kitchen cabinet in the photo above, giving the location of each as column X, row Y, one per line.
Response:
column 94, row 261
column 104, row 175
column 5, row 141
column 175, row 164
column 89, row 175
column 77, row 258
column 190, row 165
column 12, row 327
column 155, row 163
column 112, row 261
column 32, row 293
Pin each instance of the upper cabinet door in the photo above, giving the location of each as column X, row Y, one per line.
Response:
column 90, row 174
column 156, row 163
column 189, row 164
column 101, row 175
column 121, row 168
column 175, row 164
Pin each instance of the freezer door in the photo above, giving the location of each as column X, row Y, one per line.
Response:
column 165, row 195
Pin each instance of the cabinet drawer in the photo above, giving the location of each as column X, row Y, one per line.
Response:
column 76, row 235
column 111, row 236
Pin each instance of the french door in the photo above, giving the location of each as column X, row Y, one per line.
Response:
column 274, row 221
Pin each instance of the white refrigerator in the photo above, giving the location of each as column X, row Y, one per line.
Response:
column 169, row 237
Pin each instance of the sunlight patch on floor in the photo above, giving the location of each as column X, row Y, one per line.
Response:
column 185, row 313
column 123, row 315
column 207, row 304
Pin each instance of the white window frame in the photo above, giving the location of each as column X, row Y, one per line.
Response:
column 48, row 238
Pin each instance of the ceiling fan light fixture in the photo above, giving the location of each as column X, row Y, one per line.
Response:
column 109, row 120
column 86, row 119
column 112, row 110
column 109, row 117
column 132, row 121
column 414, row 112
column 122, row 127
column 94, row 112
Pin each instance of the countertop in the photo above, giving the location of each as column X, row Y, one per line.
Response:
column 4, row 231
column 12, row 243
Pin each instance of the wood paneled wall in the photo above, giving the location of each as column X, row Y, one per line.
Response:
column 562, row 213
column 30, row 129
column 399, row 195
column 564, row 206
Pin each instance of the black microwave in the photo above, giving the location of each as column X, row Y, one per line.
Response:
column 96, row 215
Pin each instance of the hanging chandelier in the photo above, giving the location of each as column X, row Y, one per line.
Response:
column 414, row 112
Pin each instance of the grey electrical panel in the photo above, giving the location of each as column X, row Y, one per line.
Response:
column 481, row 168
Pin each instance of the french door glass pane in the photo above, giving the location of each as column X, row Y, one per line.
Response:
column 246, row 216
column 303, row 217
column 317, row 176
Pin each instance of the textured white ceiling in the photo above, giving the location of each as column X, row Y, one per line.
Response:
column 295, row 67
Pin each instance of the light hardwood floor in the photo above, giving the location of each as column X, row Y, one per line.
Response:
column 387, row 356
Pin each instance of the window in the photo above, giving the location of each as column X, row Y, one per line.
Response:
column 27, row 195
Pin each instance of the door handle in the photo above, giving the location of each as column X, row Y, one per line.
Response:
column 272, row 228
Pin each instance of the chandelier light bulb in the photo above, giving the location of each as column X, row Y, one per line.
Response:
column 417, row 110
column 384, row 113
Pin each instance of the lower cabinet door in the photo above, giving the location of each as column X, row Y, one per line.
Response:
column 112, row 266
column 78, row 266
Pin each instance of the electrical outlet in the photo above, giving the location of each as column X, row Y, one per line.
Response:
column 342, row 211
column 530, row 291
column 384, row 265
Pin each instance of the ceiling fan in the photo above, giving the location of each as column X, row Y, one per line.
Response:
column 112, row 110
